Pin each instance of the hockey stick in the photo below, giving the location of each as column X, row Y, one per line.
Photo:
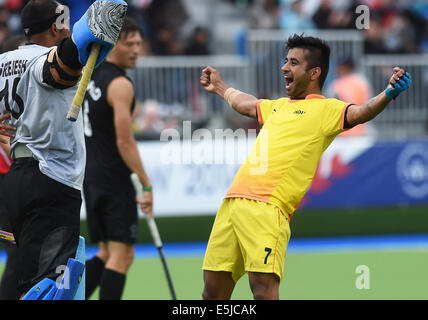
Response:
column 74, row 111
column 155, row 234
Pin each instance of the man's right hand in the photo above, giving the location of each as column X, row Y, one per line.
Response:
column 242, row 102
column 146, row 203
column 211, row 80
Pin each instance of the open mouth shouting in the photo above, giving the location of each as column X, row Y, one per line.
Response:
column 289, row 81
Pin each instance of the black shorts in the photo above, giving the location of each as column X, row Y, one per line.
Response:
column 4, row 221
column 111, row 212
column 45, row 219
column 9, row 279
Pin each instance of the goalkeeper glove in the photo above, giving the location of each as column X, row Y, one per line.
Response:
column 102, row 23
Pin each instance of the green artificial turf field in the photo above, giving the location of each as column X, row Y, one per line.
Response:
column 325, row 275
column 331, row 276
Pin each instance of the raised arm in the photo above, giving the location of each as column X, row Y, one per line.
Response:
column 243, row 103
column 100, row 24
column 62, row 68
column 399, row 82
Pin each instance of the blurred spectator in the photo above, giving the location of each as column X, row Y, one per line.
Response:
column 336, row 15
column 199, row 43
column 373, row 42
column 418, row 17
column 13, row 5
column 352, row 87
column 424, row 41
column 167, row 12
column 264, row 14
column 166, row 19
column 138, row 10
column 292, row 17
column 148, row 123
column 240, row 3
column 399, row 35
column 4, row 32
column 321, row 16
column 165, row 42
column 349, row 86
column 398, row 26
column 344, row 17
column 13, row 42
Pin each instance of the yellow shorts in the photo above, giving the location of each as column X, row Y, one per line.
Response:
column 248, row 236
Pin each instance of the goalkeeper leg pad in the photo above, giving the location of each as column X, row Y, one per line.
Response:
column 71, row 280
column 44, row 290
column 81, row 257
column 47, row 289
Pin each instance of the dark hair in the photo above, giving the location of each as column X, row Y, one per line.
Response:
column 130, row 26
column 318, row 54
column 38, row 16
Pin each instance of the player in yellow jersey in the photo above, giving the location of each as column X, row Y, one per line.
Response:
column 251, row 230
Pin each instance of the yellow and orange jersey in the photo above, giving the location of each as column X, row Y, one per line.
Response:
column 283, row 161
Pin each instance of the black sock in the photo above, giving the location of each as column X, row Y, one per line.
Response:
column 94, row 271
column 112, row 285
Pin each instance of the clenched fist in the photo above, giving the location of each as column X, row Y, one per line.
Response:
column 399, row 82
column 211, row 80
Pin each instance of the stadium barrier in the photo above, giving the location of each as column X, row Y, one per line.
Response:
column 173, row 82
column 408, row 115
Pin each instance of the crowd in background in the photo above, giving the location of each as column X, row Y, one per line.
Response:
column 396, row 26
column 160, row 20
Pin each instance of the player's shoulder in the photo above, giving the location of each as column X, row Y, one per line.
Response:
column 283, row 100
column 121, row 83
column 120, row 87
column 27, row 54
column 332, row 100
column 110, row 72
column 337, row 101
column 279, row 102
column 334, row 105
column 32, row 51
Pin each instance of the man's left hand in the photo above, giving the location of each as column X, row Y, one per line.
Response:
column 399, row 82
